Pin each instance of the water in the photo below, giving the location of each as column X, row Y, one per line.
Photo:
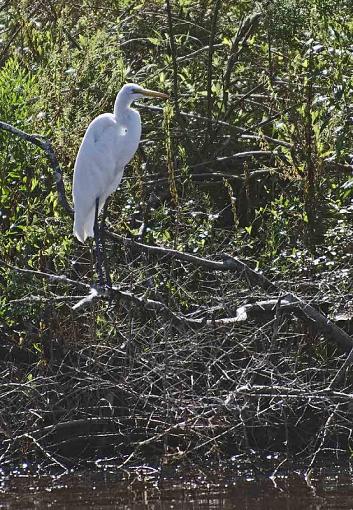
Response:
column 145, row 490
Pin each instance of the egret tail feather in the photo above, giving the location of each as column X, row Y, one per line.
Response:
column 83, row 226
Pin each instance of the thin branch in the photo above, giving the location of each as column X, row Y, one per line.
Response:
column 45, row 452
column 239, row 155
column 342, row 371
column 245, row 133
column 198, row 51
column 48, row 276
column 285, row 392
column 217, row 6
column 174, row 58
column 241, row 99
column 238, row 45
column 219, row 176
column 228, row 263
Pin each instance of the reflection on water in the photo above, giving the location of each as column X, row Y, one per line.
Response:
column 144, row 491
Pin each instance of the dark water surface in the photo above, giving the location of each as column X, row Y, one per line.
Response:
column 145, row 490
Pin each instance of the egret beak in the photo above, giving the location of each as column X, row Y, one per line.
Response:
column 153, row 93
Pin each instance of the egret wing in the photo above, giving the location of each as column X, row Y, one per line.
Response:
column 97, row 172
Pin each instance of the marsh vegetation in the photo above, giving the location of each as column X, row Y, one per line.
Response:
column 230, row 241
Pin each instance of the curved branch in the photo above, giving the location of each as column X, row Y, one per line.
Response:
column 46, row 146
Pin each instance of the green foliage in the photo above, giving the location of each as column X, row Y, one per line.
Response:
column 63, row 66
column 270, row 80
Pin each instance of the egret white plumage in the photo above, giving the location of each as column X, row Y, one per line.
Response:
column 108, row 145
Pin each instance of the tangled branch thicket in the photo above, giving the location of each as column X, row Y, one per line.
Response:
column 228, row 327
column 166, row 389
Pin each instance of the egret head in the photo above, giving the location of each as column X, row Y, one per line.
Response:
column 132, row 92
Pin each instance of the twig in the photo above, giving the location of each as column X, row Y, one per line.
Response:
column 219, row 176
column 343, row 370
column 338, row 166
column 45, row 452
column 49, row 276
column 324, row 433
column 240, row 100
column 42, row 299
column 286, row 391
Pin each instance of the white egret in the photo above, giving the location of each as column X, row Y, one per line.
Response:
column 108, row 145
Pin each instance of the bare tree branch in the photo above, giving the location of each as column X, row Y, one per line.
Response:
column 46, row 146
column 229, row 263
column 239, row 155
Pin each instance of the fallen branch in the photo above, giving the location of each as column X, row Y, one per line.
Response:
column 256, row 310
column 229, row 263
column 285, row 392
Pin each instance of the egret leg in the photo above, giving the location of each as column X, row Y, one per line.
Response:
column 102, row 236
column 98, row 245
